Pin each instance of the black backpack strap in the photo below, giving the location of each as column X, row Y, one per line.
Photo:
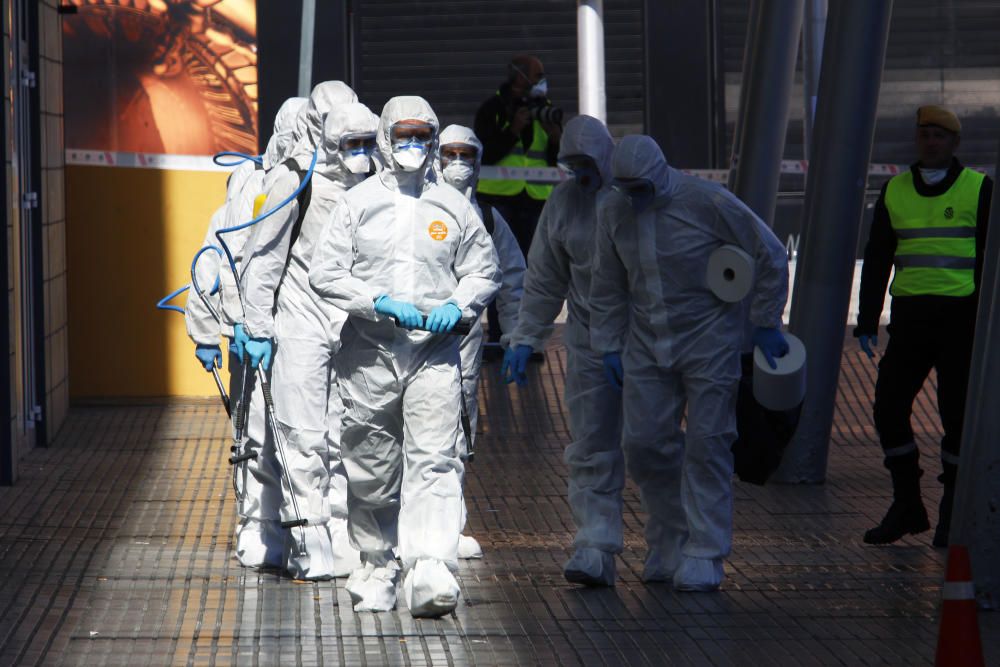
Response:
column 303, row 199
column 488, row 221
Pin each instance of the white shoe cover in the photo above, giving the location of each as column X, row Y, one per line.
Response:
column 374, row 588
column 662, row 561
column 590, row 567
column 260, row 543
column 430, row 589
column 346, row 559
column 468, row 548
column 315, row 563
column 699, row 574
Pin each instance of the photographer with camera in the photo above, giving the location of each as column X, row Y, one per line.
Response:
column 519, row 127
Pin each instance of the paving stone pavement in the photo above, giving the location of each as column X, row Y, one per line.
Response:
column 116, row 548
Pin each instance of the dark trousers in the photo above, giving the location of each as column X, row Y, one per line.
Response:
column 918, row 343
column 521, row 213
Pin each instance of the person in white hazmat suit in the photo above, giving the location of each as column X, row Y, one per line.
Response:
column 461, row 157
column 404, row 247
column 675, row 345
column 304, row 334
column 259, row 536
column 559, row 270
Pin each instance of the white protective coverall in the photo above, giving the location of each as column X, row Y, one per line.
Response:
column 508, row 298
column 281, row 305
column 559, row 262
column 404, row 235
column 680, row 347
column 260, row 540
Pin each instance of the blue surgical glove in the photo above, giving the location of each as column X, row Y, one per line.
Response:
column 613, row 370
column 406, row 313
column 771, row 343
column 867, row 343
column 209, row 355
column 240, row 339
column 515, row 364
column 443, row 318
column 260, row 351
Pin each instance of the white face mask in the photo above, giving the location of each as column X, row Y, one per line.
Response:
column 540, row 89
column 933, row 176
column 356, row 163
column 458, row 174
column 410, row 156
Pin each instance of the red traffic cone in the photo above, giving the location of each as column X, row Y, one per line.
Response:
column 958, row 639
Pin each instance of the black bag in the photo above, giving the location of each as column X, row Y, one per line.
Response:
column 763, row 434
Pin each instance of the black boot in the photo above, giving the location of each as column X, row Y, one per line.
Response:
column 906, row 515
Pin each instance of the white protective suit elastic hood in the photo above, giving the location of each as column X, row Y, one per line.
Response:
column 324, row 97
column 354, row 118
column 586, row 135
column 285, row 135
column 639, row 157
column 390, row 173
column 459, row 134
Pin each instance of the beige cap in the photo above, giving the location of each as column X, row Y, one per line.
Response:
column 935, row 115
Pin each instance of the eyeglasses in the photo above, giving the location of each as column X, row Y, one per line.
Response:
column 463, row 152
column 355, row 143
column 404, row 132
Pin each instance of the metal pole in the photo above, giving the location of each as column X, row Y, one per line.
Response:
column 975, row 521
column 853, row 56
column 741, row 109
column 774, row 41
column 306, row 47
column 590, row 58
column 812, row 58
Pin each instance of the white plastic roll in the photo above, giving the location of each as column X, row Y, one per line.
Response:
column 784, row 387
column 730, row 273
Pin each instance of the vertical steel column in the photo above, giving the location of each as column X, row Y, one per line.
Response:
column 853, row 55
column 773, row 43
column 975, row 519
column 812, row 58
column 306, row 38
column 6, row 390
column 590, row 58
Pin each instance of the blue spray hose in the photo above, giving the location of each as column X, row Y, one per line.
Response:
column 262, row 216
column 242, row 157
column 163, row 305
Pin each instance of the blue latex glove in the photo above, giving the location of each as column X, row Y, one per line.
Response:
column 260, row 351
column 443, row 318
column 867, row 343
column 406, row 313
column 771, row 343
column 240, row 339
column 613, row 370
column 515, row 364
column 209, row 355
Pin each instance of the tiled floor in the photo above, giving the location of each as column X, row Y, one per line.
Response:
column 115, row 548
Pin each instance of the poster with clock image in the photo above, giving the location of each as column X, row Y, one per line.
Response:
column 176, row 77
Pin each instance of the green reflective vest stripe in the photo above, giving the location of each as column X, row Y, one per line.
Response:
column 535, row 156
column 936, row 236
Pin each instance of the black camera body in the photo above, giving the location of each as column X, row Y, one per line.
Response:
column 546, row 113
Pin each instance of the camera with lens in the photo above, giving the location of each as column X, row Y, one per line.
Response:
column 548, row 114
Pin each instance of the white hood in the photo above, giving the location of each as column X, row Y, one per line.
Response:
column 325, row 97
column 284, row 135
column 353, row 118
column 586, row 135
column 459, row 134
column 639, row 156
column 397, row 109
